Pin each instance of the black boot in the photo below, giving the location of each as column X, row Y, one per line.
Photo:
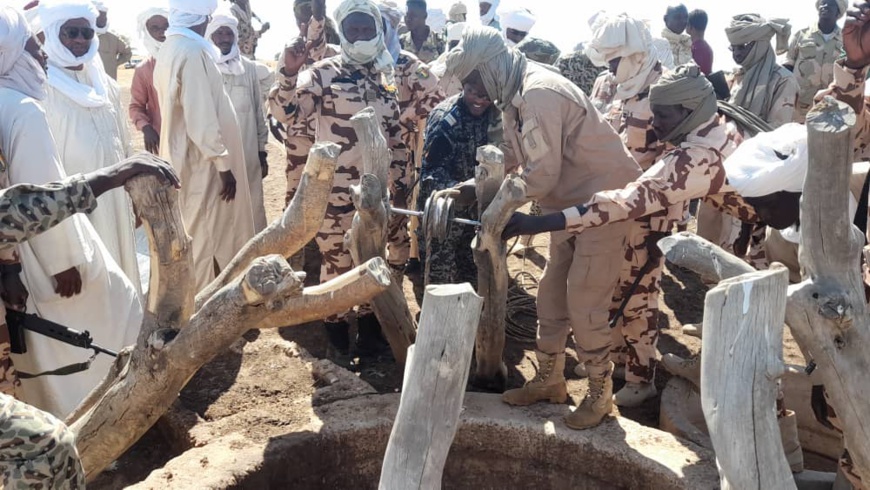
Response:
column 339, row 343
column 369, row 340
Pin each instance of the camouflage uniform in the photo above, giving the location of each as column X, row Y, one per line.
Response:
column 449, row 158
column 431, row 48
column 330, row 93
column 418, row 95
column 657, row 202
column 603, row 92
column 784, row 94
column 813, row 60
column 539, row 50
column 579, row 69
column 248, row 36
column 36, row 449
column 632, row 119
column 299, row 137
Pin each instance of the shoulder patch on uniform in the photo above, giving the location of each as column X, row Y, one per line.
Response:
column 450, row 120
column 423, row 71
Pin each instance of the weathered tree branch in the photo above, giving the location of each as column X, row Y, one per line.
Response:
column 497, row 199
column 698, row 255
column 743, row 322
column 301, row 221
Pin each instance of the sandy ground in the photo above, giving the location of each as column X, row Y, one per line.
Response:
column 225, row 385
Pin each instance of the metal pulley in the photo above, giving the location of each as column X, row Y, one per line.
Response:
column 437, row 217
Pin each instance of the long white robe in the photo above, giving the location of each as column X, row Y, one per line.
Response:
column 245, row 94
column 89, row 139
column 200, row 136
column 108, row 307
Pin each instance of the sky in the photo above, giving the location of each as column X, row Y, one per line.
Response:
column 564, row 22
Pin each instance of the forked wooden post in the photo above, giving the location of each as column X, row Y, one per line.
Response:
column 497, row 200
column 827, row 313
column 434, row 389
column 367, row 238
column 743, row 322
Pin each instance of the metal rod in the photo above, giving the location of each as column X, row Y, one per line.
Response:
column 419, row 214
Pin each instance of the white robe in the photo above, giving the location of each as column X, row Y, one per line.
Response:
column 245, row 94
column 108, row 307
column 200, row 136
column 91, row 139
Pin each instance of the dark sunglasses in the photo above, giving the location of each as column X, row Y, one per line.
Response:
column 737, row 47
column 74, row 32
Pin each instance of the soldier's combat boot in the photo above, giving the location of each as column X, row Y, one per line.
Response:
column 634, row 394
column 549, row 385
column 598, row 402
column 339, row 343
column 370, row 343
column 618, row 371
column 684, row 368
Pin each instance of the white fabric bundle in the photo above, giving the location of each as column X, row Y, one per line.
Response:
column 757, row 167
column 151, row 45
column 230, row 64
column 18, row 69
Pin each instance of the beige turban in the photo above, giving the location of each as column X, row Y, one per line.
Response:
column 457, row 12
column 689, row 88
column 756, row 92
column 747, row 28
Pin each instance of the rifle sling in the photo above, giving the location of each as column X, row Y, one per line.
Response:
column 64, row 371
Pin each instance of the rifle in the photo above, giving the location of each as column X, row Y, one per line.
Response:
column 19, row 321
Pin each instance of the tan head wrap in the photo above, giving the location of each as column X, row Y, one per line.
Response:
column 687, row 87
column 483, row 49
column 755, row 93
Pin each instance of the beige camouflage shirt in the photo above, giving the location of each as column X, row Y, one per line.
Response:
column 431, row 48
column 330, row 93
column 783, row 91
column 848, row 87
column 419, row 93
column 691, row 171
column 248, row 36
column 813, row 60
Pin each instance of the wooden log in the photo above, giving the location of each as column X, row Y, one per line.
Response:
column 299, row 224
column 497, row 199
column 367, row 238
column 743, row 322
column 709, row 261
column 827, row 312
column 434, row 389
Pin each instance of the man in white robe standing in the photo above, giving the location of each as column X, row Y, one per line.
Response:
column 84, row 112
column 242, row 84
column 200, row 137
column 71, row 277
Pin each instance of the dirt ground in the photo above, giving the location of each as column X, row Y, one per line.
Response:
column 228, row 385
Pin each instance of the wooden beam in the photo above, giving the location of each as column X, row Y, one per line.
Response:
column 743, row 322
column 708, row 260
column 433, row 389
column 498, row 198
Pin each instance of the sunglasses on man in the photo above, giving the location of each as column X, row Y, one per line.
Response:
column 86, row 33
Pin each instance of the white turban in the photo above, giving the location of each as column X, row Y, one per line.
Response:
column 18, row 69
column 454, row 31
column 364, row 52
column 770, row 162
column 518, row 19
column 32, row 16
column 436, row 19
column 55, row 13
column 101, row 7
column 151, row 45
column 624, row 37
column 189, row 13
column 491, row 14
column 229, row 64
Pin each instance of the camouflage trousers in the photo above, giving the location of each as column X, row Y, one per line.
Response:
column 36, row 449
column 297, row 148
column 336, row 259
column 9, row 381
column 450, row 261
column 398, row 238
column 636, row 333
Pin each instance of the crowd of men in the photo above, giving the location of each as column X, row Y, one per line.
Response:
column 613, row 140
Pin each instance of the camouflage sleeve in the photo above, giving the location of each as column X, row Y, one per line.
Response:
column 785, row 98
column 293, row 99
column 317, row 38
column 792, row 54
column 27, row 210
column 426, row 94
column 680, row 176
column 732, row 203
column 848, row 87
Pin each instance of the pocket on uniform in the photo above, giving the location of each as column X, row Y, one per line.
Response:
column 534, row 144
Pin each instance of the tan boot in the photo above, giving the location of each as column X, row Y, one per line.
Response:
column 549, row 385
column 618, row 371
column 598, row 402
column 684, row 368
column 790, row 443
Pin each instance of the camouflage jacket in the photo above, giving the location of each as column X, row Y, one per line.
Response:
column 691, row 171
column 431, row 48
column 419, row 93
column 603, row 92
column 330, row 93
column 450, row 148
column 540, row 50
column 813, row 60
column 848, row 87
column 632, row 119
column 248, row 36
column 782, row 92
column 578, row 68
